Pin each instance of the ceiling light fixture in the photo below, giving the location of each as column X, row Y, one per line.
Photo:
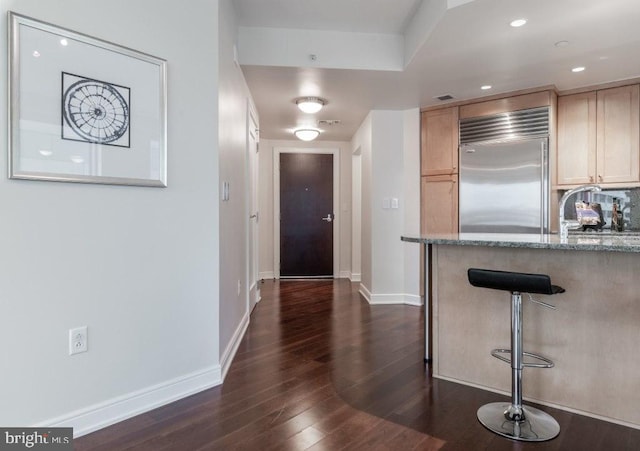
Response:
column 485, row 87
column 578, row 69
column 306, row 134
column 310, row 105
column 518, row 23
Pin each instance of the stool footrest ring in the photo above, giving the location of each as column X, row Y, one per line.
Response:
column 543, row 361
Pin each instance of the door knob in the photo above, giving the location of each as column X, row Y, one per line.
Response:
column 328, row 218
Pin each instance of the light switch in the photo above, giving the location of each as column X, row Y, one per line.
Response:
column 386, row 203
column 394, row 202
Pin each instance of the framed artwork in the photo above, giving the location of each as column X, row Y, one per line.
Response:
column 83, row 109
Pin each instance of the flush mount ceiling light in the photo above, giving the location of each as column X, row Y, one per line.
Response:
column 310, row 105
column 485, row 87
column 306, row 134
column 578, row 69
column 518, row 23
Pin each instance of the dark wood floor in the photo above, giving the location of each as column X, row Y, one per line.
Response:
column 320, row 369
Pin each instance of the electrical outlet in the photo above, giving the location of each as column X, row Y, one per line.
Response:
column 78, row 340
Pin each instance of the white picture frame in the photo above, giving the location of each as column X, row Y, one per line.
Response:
column 84, row 110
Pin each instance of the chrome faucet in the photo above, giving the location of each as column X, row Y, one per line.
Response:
column 565, row 225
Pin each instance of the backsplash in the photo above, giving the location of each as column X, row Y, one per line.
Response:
column 628, row 199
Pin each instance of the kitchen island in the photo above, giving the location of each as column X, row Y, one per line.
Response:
column 593, row 337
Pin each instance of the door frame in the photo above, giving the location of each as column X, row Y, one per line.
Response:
column 252, row 239
column 276, row 203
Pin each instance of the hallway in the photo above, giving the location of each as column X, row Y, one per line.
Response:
column 320, row 369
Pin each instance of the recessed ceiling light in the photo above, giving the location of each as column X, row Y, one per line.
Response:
column 561, row 43
column 310, row 105
column 36, row 54
column 578, row 69
column 485, row 87
column 45, row 152
column 518, row 23
column 64, row 42
column 77, row 159
column 306, row 134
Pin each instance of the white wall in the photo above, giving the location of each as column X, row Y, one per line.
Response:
column 356, row 215
column 361, row 143
column 387, row 182
column 388, row 142
column 266, row 200
column 232, row 128
column 411, row 194
column 138, row 266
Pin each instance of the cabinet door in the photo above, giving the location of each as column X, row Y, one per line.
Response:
column 618, row 135
column 439, row 142
column 439, row 206
column 576, row 160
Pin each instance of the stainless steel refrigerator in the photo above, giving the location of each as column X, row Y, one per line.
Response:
column 504, row 173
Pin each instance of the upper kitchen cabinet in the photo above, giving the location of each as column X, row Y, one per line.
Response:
column 599, row 137
column 576, row 163
column 618, row 135
column 439, row 143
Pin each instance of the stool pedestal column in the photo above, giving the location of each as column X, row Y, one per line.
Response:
column 514, row 420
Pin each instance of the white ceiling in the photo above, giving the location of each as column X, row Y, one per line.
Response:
column 470, row 45
column 368, row 16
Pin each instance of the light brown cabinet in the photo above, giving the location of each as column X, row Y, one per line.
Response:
column 439, row 142
column 599, row 137
column 439, row 209
column 439, row 169
column 576, row 160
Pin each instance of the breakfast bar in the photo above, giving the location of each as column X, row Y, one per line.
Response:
column 593, row 336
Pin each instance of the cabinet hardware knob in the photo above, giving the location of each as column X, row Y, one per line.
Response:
column 600, row 178
column 591, row 178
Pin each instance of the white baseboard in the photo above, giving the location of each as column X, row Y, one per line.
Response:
column 345, row 275
column 230, row 352
column 365, row 293
column 266, row 275
column 98, row 416
column 355, row 277
column 390, row 299
column 413, row 299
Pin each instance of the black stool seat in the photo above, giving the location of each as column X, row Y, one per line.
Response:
column 512, row 281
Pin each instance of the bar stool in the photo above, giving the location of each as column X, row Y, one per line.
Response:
column 513, row 420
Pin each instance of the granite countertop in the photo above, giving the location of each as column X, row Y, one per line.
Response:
column 614, row 242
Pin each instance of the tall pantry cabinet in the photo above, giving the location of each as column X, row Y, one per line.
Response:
column 439, row 171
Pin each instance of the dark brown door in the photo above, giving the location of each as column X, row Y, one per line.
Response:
column 306, row 215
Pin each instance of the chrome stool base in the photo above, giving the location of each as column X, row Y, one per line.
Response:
column 537, row 425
